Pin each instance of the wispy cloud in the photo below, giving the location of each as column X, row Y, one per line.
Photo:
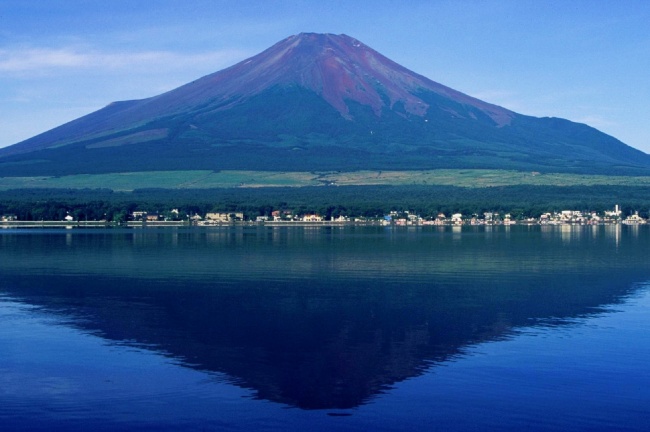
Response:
column 39, row 61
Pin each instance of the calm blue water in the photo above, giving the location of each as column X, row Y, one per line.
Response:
column 361, row 328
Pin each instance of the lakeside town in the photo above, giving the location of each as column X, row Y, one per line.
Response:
column 394, row 218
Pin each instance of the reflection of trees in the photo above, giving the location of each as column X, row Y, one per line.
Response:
column 295, row 252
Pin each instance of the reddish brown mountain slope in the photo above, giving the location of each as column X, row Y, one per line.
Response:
column 316, row 102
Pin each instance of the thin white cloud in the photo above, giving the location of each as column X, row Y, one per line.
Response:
column 21, row 61
column 39, row 61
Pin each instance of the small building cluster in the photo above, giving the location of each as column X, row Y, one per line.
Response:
column 564, row 217
column 393, row 218
column 219, row 218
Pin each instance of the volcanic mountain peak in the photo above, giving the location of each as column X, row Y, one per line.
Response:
column 316, row 102
column 350, row 70
column 341, row 68
column 338, row 68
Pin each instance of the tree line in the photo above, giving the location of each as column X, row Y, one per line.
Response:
column 327, row 201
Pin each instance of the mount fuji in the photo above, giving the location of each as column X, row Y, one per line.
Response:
column 316, row 102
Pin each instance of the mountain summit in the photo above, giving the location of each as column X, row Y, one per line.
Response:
column 316, row 102
column 340, row 69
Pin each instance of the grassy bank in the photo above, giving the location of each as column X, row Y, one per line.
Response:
column 260, row 179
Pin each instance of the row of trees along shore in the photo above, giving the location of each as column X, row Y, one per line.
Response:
column 328, row 202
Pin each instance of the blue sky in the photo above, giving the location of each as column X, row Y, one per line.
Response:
column 587, row 61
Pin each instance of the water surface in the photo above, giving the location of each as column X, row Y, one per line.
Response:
column 358, row 328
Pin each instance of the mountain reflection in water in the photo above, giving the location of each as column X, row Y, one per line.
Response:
column 321, row 318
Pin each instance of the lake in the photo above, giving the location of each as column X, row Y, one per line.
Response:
column 325, row 328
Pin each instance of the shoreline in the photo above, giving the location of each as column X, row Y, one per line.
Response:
column 188, row 224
